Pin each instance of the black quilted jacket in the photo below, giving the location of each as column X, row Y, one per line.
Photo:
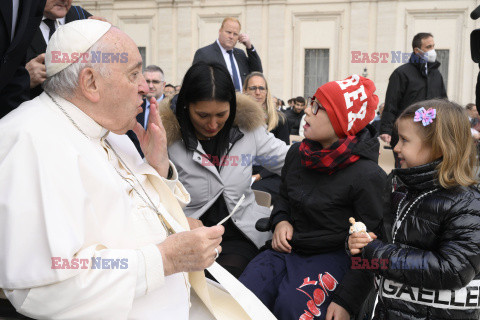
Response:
column 436, row 247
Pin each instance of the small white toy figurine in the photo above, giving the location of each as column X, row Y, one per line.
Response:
column 358, row 227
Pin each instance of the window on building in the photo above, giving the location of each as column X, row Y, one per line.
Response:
column 316, row 69
column 143, row 53
column 443, row 56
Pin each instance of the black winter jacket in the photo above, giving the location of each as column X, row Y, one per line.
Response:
column 319, row 205
column 294, row 120
column 408, row 84
column 436, row 247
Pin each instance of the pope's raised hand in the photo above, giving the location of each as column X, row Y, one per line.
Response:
column 153, row 141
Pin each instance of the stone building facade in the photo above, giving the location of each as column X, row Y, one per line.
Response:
column 304, row 43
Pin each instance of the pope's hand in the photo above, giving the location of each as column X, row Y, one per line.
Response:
column 358, row 240
column 194, row 223
column 191, row 250
column 153, row 141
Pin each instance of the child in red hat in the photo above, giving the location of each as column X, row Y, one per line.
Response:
column 329, row 177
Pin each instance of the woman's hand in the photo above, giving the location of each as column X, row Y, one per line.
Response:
column 257, row 177
column 358, row 240
column 283, row 232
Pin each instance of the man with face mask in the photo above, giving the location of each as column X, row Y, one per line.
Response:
column 417, row 80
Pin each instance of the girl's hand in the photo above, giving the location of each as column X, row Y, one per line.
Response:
column 358, row 240
column 283, row 232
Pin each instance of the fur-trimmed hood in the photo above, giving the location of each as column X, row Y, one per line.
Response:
column 249, row 116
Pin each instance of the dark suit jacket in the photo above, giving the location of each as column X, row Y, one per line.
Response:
column 246, row 65
column 14, row 78
column 39, row 46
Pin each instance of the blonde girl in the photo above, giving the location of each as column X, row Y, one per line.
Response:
column 432, row 221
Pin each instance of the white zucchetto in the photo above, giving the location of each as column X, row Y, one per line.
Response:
column 71, row 40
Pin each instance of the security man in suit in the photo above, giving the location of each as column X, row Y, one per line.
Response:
column 223, row 51
column 19, row 20
column 56, row 13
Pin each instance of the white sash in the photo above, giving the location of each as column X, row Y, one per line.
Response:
column 244, row 297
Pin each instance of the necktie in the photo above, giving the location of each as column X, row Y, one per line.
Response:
column 234, row 72
column 147, row 113
column 51, row 25
column 9, row 18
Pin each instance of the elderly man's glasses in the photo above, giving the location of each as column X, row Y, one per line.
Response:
column 315, row 106
column 256, row 88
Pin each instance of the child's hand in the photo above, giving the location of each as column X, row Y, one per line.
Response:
column 283, row 232
column 358, row 240
column 336, row 312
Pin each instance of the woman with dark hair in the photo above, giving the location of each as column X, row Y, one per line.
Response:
column 212, row 139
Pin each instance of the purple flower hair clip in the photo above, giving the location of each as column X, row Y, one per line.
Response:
column 426, row 116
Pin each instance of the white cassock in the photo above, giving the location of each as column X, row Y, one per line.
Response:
column 61, row 197
column 65, row 195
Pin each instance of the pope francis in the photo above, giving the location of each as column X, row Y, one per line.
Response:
column 88, row 229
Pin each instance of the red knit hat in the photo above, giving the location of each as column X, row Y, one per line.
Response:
column 350, row 104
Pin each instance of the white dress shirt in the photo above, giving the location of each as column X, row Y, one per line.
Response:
column 45, row 29
column 15, row 4
column 147, row 109
column 226, row 56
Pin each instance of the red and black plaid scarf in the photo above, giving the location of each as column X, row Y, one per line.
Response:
column 338, row 156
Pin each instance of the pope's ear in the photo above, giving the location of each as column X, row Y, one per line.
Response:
column 88, row 84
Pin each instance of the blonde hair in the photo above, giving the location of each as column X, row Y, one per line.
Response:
column 273, row 116
column 233, row 19
column 449, row 136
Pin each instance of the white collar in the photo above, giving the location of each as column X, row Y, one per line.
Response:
column 59, row 21
column 224, row 51
column 86, row 124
